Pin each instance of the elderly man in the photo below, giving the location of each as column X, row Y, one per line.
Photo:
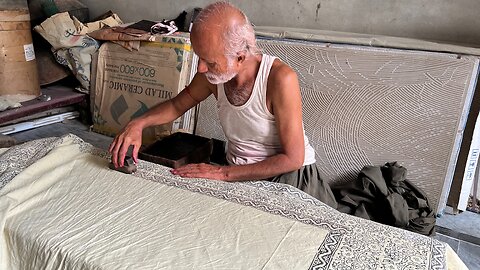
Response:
column 259, row 105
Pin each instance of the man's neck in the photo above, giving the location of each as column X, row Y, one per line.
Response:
column 239, row 89
column 248, row 73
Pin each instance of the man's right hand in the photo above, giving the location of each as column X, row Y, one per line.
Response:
column 165, row 112
column 130, row 135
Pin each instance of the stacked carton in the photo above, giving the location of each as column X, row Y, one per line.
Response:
column 127, row 83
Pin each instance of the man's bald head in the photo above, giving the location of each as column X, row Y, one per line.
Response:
column 224, row 22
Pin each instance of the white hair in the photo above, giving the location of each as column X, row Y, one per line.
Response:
column 237, row 38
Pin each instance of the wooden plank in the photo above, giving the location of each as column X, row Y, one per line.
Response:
column 59, row 129
column 60, row 96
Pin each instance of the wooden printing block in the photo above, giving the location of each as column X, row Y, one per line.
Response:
column 7, row 141
column 129, row 166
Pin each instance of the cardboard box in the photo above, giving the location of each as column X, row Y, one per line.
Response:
column 127, row 83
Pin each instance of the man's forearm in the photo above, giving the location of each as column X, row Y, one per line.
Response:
column 160, row 114
column 267, row 168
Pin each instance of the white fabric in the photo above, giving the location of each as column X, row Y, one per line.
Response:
column 64, row 209
column 69, row 211
column 250, row 128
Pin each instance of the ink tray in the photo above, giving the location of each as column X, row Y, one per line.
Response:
column 178, row 149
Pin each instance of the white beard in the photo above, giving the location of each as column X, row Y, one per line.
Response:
column 222, row 78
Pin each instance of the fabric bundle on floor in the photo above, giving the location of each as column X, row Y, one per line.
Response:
column 383, row 194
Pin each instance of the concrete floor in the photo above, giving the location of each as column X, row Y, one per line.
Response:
column 466, row 223
column 461, row 232
column 468, row 252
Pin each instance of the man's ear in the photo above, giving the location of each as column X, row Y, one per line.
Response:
column 241, row 57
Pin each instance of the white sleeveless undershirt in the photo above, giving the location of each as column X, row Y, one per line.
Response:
column 250, row 128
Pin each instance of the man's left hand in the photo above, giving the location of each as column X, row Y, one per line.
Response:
column 201, row 170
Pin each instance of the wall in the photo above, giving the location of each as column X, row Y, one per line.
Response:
column 13, row 4
column 445, row 20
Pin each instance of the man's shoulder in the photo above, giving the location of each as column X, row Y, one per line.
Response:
column 282, row 79
column 281, row 71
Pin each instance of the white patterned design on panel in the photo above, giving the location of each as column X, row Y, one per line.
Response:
column 367, row 106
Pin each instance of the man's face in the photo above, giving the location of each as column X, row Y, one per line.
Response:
column 221, row 77
column 217, row 67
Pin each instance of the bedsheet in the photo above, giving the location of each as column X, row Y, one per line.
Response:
column 62, row 208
